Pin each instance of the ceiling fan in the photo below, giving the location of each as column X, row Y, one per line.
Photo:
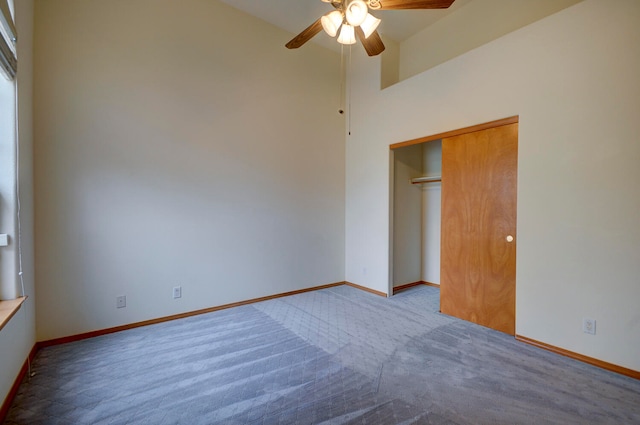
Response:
column 352, row 18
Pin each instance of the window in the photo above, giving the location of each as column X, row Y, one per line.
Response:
column 8, row 57
column 8, row 152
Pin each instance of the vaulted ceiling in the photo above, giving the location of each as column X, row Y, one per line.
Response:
column 296, row 15
column 428, row 37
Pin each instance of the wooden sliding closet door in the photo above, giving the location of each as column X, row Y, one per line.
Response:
column 478, row 245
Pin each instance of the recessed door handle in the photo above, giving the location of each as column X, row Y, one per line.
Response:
column 509, row 238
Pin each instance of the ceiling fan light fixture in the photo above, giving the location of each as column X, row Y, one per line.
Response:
column 356, row 12
column 369, row 25
column 347, row 35
column 331, row 22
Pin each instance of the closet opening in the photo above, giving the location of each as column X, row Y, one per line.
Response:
column 417, row 192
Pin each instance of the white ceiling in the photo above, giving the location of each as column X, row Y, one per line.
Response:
column 296, row 15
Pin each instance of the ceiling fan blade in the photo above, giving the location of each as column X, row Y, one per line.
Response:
column 414, row 4
column 306, row 35
column 373, row 44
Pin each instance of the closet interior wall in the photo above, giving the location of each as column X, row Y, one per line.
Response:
column 416, row 214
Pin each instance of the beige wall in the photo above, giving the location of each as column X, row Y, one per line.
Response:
column 179, row 143
column 475, row 23
column 18, row 337
column 573, row 80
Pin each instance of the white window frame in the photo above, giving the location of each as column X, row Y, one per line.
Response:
column 8, row 160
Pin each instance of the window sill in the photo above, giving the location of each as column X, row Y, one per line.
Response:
column 8, row 309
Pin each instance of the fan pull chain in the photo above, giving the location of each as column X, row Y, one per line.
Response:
column 349, row 68
column 341, row 94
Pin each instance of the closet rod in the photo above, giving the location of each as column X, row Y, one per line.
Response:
column 420, row 180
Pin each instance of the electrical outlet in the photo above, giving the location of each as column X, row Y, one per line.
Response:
column 177, row 292
column 121, row 301
column 589, row 326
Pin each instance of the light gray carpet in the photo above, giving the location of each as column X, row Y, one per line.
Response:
column 335, row 356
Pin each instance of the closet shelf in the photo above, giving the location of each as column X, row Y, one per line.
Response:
column 420, row 180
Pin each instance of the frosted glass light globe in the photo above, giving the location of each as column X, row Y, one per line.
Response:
column 347, row 35
column 356, row 12
column 331, row 22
